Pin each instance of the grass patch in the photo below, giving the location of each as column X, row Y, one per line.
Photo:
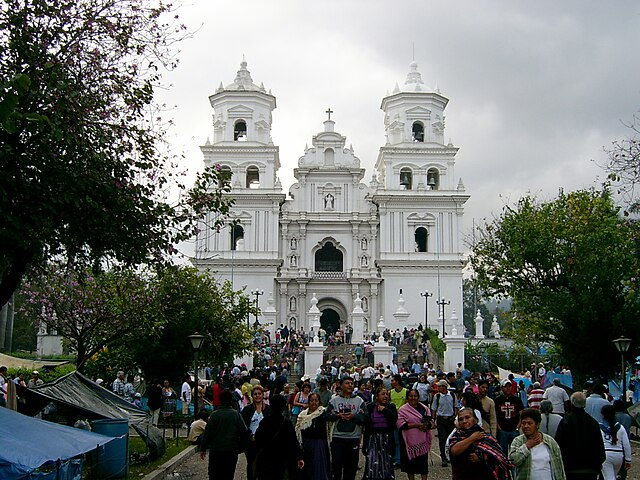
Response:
column 138, row 447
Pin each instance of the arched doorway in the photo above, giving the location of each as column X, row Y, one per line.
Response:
column 330, row 321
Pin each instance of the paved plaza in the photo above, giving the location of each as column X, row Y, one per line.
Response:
column 194, row 468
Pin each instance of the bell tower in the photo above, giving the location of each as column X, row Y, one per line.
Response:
column 419, row 199
column 415, row 156
column 242, row 145
column 242, row 133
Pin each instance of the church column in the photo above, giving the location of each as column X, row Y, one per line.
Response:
column 282, row 317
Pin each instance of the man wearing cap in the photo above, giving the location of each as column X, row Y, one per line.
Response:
column 35, row 380
column 541, row 371
column 508, row 408
column 444, row 407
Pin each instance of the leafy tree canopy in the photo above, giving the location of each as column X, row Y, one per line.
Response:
column 125, row 319
column 84, row 169
column 571, row 267
column 184, row 302
column 91, row 310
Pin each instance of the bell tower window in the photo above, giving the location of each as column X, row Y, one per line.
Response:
column 240, row 131
column 329, row 259
column 421, row 239
column 237, row 237
column 433, row 179
column 417, row 132
column 406, row 179
column 253, row 177
column 226, row 170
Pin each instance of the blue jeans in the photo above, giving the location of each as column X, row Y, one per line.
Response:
column 505, row 439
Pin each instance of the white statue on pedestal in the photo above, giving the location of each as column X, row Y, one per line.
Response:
column 495, row 328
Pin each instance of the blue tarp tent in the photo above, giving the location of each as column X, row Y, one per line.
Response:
column 29, row 443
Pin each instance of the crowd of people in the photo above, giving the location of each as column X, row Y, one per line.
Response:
column 317, row 428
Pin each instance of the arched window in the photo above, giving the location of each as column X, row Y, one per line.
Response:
column 253, row 177
column 240, row 131
column 417, row 132
column 406, row 179
column 329, row 157
column 237, row 237
column 421, row 238
column 329, row 259
column 433, row 179
column 226, row 169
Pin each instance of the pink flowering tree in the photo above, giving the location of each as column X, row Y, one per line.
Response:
column 92, row 311
column 86, row 170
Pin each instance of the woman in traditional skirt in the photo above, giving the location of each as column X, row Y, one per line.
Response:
column 415, row 423
column 378, row 444
column 313, row 433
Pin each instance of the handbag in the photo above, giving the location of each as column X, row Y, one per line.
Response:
column 296, row 410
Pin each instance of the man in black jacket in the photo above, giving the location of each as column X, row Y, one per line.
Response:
column 580, row 442
column 223, row 437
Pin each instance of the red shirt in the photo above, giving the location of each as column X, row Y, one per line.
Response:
column 216, row 390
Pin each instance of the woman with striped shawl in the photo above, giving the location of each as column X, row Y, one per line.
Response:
column 476, row 455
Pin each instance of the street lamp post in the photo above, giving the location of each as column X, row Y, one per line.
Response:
column 622, row 345
column 257, row 293
column 196, row 343
column 441, row 303
column 426, row 294
column 482, row 348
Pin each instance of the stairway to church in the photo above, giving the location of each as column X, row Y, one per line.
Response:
column 346, row 350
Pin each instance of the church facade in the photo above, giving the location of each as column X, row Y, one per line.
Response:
column 338, row 241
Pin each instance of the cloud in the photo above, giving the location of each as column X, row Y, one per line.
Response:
column 536, row 89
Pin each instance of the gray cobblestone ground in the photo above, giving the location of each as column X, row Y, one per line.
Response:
column 194, row 468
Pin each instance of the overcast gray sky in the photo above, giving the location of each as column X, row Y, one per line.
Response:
column 536, row 89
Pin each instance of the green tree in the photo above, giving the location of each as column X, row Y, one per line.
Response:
column 184, row 302
column 571, row 267
column 473, row 302
column 84, row 167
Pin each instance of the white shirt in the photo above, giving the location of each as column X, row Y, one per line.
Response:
column 185, row 393
column 540, row 463
column 557, row 396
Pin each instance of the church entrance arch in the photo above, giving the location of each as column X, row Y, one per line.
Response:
column 330, row 321
column 333, row 314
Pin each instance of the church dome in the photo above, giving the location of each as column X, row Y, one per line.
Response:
column 243, row 81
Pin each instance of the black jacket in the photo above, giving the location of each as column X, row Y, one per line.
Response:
column 580, row 442
column 278, row 449
column 391, row 414
column 249, row 410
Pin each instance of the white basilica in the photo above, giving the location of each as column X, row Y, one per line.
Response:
column 337, row 242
